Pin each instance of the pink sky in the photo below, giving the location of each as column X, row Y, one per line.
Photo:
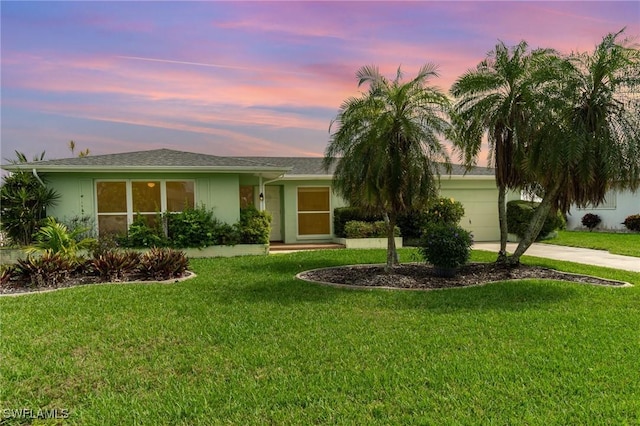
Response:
column 244, row 78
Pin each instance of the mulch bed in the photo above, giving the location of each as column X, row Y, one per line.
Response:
column 15, row 287
column 423, row 277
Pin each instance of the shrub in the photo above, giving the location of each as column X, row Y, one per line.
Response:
column 48, row 269
column 163, row 264
column 444, row 210
column 445, row 245
column 194, row 227
column 254, row 226
column 24, row 202
column 519, row 214
column 342, row 215
column 632, row 223
column 113, row 265
column 55, row 237
column 142, row 234
column 591, row 220
column 411, row 224
column 360, row 229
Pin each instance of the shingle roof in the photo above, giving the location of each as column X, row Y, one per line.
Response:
column 168, row 158
column 313, row 166
column 157, row 158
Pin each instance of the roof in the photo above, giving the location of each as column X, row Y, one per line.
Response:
column 166, row 159
column 309, row 166
column 179, row 161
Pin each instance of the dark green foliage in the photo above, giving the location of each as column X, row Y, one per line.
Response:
column 445, row 245
column 142, row 234
column 46, row 270
column 163, row 264
column 591, row 220
column 411, row 224
column 195, row 227
column 225, row 235
column 24, row 201
column 360, row 229
column 445, row 210
column 632, row 223
column 254, row 226
column 519, row 214
column 198, row 227
column 113, row 265
column 342, row 215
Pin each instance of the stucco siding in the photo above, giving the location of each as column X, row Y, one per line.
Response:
column 77, row 192
column 612, row 213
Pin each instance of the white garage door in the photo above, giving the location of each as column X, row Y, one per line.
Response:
column 480, row 212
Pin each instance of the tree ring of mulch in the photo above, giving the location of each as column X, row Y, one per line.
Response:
column 10, row 290
column 417, row 276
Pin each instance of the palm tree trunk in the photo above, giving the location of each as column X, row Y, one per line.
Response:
column 502, row 218
column 392, row 252
column 536, row 224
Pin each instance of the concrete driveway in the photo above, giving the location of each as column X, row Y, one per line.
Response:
column 571, row 254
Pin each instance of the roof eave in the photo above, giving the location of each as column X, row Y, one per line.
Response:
column 144, row 169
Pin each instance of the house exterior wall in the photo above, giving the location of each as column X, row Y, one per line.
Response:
column 289, row 196
column 479, row 197
column 218, row 192
column 613, row 212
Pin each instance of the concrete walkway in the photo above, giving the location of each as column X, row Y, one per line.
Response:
column 571, row 254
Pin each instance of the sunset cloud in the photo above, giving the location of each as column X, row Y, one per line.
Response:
column 244, row 78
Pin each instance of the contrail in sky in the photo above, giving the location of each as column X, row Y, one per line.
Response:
column 200, row 64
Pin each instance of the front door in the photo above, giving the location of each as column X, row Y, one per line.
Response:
column 274, row 206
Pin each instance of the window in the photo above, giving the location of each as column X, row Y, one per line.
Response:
column 246, row 196
column 314, row 211
column 609, row 202
column 119, row 201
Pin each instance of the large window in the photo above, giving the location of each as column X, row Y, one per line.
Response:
column 314, row 211
column 119, row 201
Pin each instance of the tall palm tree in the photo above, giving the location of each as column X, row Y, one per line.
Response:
column 387, row 145
column 495, row 101
column 588, row 139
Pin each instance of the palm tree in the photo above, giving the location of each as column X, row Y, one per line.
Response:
column 24, row 199
column 588, row 137
column 388, row 147
column 495, row 101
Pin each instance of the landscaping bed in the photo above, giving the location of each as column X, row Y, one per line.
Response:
column 423, row 277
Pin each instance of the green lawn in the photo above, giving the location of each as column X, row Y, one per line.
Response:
column 246, row 343
column 626, row 244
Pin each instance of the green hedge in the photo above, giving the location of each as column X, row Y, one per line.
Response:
column 197, row 227
column 342, row 215
column 360, row 229
column 519, row 214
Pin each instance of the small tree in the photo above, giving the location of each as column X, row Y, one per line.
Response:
column 24, row 199
column 387, row 146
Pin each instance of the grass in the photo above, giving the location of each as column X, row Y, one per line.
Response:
column 246, row 343
column 616, row 243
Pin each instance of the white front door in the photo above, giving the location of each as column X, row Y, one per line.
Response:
column 273, row 206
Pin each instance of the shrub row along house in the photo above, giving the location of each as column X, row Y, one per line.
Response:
column 114, row 188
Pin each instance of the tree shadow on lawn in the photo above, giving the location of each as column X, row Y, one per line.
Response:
column 500, row 296
column 512, row 296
